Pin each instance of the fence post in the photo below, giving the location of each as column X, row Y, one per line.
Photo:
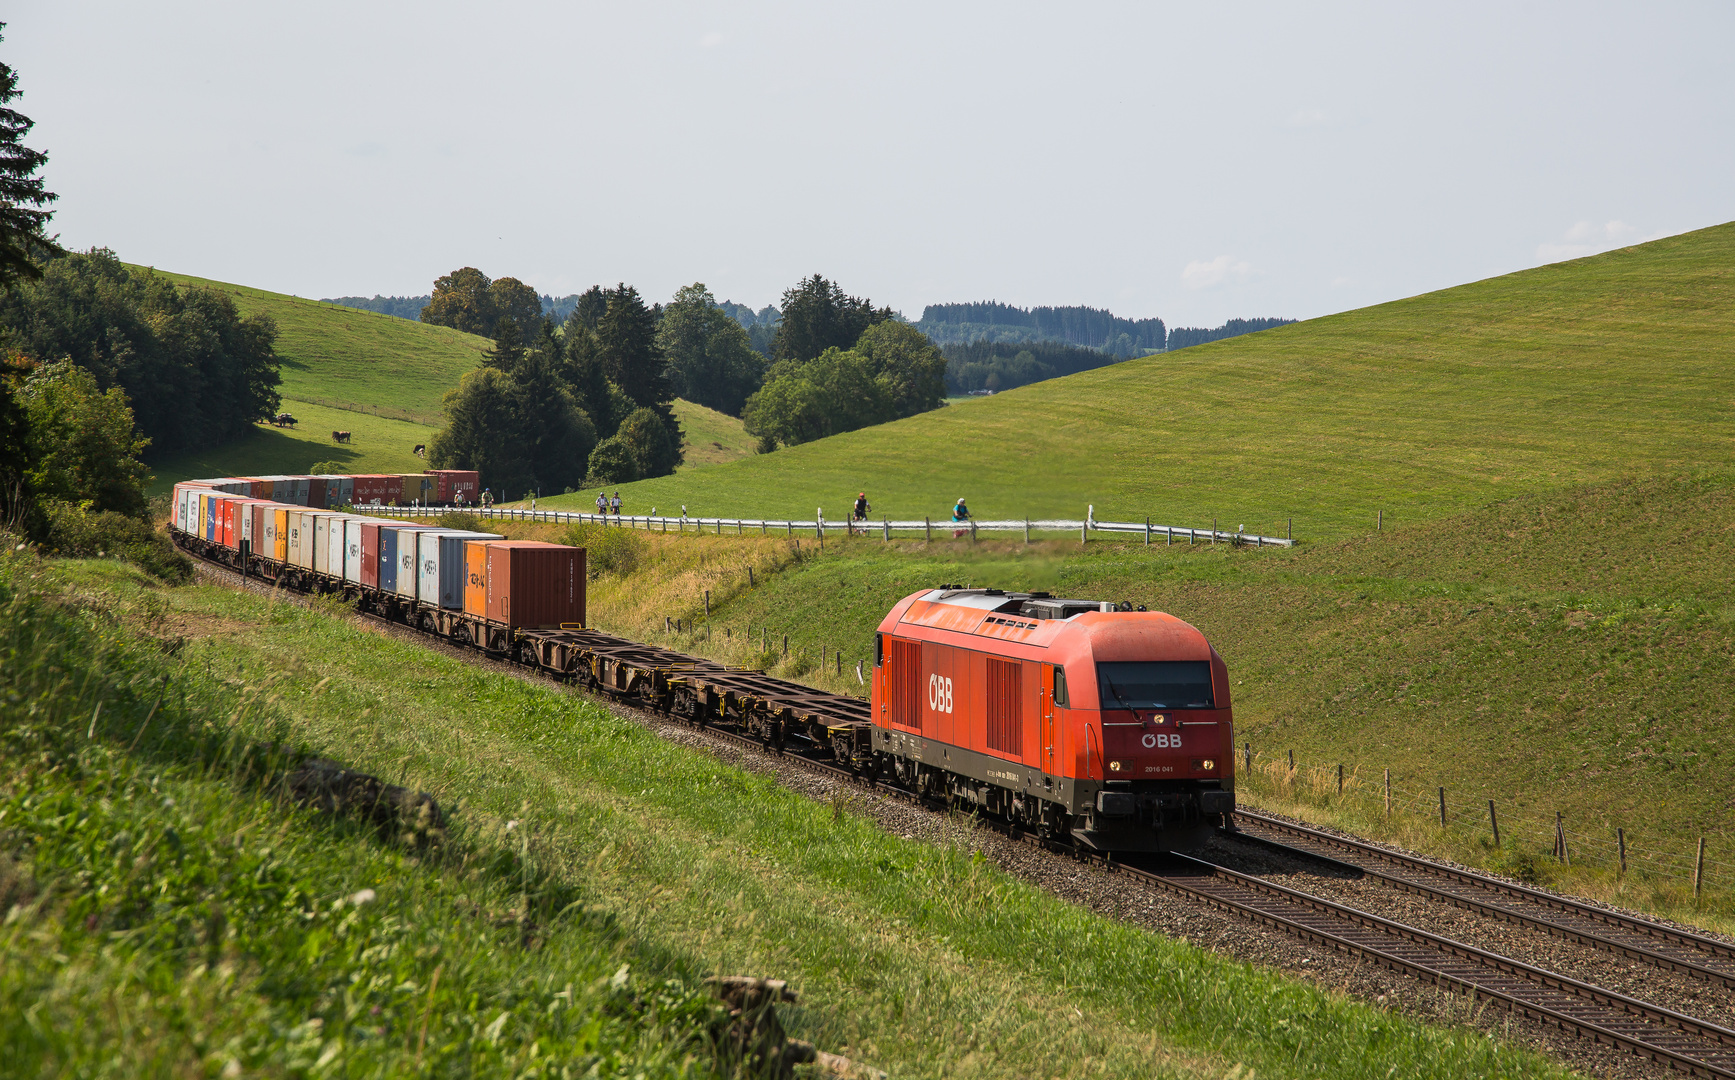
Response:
column 928, row 526
column 1292, row 761
column 1560, row 838
column 1494, row 822
column 1699, row 870
column 1621, row 843
column 840, row 661
column 1380, row 522
column 707, row 603
column 749, row 576
column 972, row 530
column 887, row 523
column 1442, row 808
column 1289, row 530
column 1147, row 530
column 1340, row 778
column 1027, row 530
column 1247, row 753
column 1213, row 531
column 785, row 644
column 1388, row 793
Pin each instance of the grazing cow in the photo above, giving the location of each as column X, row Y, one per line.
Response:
column 340, row 436
column 421, row 450
column 283, row 419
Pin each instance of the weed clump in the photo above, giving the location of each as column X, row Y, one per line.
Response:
column 608, row 550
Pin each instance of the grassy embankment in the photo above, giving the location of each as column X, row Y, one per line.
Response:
column 176, row 917
column 1426, row 407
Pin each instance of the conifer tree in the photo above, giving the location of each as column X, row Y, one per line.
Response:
column 22, row 195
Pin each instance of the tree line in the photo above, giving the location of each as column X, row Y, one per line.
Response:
column 1182, row 337
column 1086, row 327
column 588, row 400
column 996, row 366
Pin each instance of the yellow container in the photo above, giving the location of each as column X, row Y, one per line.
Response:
column 278, row 529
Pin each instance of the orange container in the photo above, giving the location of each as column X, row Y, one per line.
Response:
column 476, row 577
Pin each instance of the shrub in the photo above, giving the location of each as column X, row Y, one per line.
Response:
column 461, row 519
column 613, row 462
column 76, row 530
column 607, row 550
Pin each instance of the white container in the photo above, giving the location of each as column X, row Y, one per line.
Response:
column 440, row 566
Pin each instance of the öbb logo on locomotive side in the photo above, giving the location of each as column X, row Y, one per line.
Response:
column 939, row 693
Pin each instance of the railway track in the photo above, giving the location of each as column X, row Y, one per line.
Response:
column 1641, row 940
column 1604, row 1016
column 1680, row 1041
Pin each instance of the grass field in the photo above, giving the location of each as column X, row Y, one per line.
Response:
column 581, row 845
column 360, row 361
column 1567, row 652
column 1427, row 407
column 377, row 444
column 711, row 437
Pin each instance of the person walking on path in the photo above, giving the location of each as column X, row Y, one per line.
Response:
column 615, row 503
column 960, row 515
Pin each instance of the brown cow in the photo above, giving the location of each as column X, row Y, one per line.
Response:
column 340, row 436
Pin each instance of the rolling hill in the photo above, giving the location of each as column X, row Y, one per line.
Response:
column 380, row 378
column 1566, row 374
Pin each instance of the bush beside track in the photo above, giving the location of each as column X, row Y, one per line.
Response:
column 921, row 960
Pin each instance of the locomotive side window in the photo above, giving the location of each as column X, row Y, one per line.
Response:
column 1060, row 686
column 879, row 649
column 1155, row 684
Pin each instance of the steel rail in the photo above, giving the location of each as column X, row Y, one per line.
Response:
column 1602, row 1015
column 1625, row 935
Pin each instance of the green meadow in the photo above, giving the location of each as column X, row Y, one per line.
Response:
column 1575, row 373
column 171, row 913
column 357, row 361
column 377, row 444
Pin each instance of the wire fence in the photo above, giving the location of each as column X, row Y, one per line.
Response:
column 885, row 528
column 1505, row 825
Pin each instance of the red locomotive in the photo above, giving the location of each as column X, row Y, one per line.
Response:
column 1079, row 720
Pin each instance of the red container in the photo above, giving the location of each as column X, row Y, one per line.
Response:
column 377, row 487
column 316, row 493
column 456, row 485
column 370, row 553
column 532, row 584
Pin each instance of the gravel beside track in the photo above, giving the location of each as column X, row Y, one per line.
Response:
column 1123, row 897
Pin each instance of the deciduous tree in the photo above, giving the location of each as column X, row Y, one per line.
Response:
column 906, row 364
column 462, row 301
column 83, row 446
column 711, row 361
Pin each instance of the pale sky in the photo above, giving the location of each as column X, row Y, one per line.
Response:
column 1189, row 161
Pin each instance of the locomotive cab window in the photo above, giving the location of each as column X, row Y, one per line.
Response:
column 1060, row 686
column 879, row 649
column 1155, row 684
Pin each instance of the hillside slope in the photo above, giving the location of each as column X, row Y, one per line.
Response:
column 361, row 361
column 1571, row 373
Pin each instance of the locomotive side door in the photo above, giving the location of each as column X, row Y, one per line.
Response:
column 1045, row 748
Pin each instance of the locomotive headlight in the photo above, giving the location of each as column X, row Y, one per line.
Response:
column 1114, row 766
column 1208, row 764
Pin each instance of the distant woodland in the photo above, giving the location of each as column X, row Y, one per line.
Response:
column 1084, row 327
column 1181, row 337
column 410, row 307
column 1002, row 365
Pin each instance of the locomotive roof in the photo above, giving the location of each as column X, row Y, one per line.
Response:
column 1042, row 621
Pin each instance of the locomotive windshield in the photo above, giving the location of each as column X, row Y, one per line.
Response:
column 1155, row 684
